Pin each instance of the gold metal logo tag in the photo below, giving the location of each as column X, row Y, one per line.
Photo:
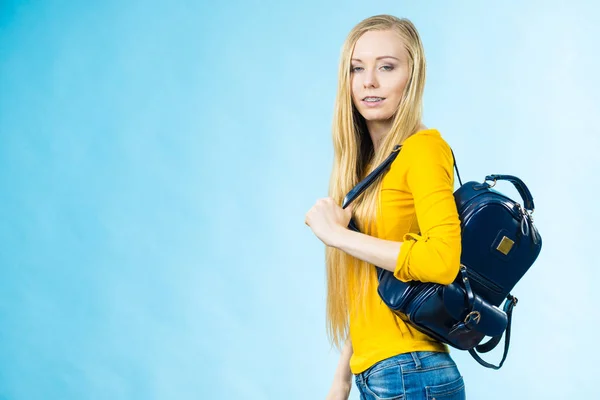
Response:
column 505, row 245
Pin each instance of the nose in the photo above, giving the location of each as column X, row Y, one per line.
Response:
column 370, row 79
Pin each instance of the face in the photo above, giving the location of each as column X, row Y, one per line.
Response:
column 379, row 74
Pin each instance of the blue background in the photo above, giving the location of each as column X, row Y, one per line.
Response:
column 157, row 160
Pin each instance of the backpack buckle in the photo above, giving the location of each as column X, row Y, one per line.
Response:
column 473, row 316
column 493, row 184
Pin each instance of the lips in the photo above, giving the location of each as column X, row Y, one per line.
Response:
column 372, row 101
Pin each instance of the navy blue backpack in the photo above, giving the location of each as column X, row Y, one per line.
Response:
column 499, row 245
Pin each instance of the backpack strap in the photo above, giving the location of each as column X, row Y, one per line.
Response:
column 365, row 183
column 455, row 167
column 510, row 303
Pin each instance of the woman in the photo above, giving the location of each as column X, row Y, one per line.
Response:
column 408, row 218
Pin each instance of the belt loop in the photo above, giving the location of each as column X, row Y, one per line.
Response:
column 416, row 359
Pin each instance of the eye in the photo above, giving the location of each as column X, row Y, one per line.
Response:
column 387, row 67
column 356, row 69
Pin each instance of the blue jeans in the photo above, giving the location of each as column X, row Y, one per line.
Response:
column 423, row 375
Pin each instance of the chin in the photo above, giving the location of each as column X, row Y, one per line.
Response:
column 377, row 115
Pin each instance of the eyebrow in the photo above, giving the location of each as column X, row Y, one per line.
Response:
column 378, row 58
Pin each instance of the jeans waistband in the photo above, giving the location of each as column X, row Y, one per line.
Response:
column 400, row 359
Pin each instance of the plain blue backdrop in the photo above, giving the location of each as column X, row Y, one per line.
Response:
column 157, row 159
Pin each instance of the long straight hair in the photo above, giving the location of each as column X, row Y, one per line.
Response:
column 353, row 151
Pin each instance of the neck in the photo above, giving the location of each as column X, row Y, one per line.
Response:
column 378, row 130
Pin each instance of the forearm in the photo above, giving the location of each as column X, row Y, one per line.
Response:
column 379, row 252
column 343, row 375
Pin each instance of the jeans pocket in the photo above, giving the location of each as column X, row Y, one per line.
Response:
column 386, row 383
column 454, row 390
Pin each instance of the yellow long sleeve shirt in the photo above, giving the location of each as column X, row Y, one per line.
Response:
column 417, row 208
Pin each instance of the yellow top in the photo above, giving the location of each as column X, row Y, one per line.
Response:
column 416, row 196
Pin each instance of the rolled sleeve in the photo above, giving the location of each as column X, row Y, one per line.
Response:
column 433, row 255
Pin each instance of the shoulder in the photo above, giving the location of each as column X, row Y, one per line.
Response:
column 424, row 148
column 423, row 155
column 425, row 142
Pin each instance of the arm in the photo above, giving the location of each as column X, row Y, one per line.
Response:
column 433, row 256
column 342, row 379
column 380, row 252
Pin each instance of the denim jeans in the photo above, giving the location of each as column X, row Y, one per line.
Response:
column 422, row 375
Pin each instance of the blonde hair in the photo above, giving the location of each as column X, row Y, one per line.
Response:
column 353, row 151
